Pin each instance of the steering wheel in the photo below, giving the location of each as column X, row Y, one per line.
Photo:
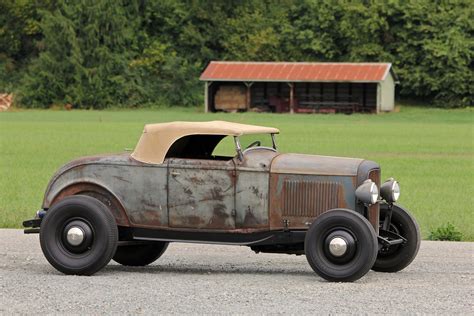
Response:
column 255, row 143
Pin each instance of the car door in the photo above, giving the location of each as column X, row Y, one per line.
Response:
column 252, row 187
column 201, row 194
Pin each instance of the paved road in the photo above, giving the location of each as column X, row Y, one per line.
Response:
column 202, row 279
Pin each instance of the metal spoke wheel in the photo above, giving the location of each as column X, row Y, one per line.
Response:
column 341, row 245
column 398, row 257
column 140, row 255
column 78, row 235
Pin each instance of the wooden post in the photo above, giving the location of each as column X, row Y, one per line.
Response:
column 378, row 106
column 247, row 99
column 292, row 93
column 206, row 96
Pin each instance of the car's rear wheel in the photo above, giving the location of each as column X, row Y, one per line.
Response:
column 341, row 245
column 78, row 235
column 398, row 257
column 140, row 255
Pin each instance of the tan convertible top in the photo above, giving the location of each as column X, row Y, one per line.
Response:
column 157, row 139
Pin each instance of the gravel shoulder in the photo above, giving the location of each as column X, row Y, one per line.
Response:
column 198, row 279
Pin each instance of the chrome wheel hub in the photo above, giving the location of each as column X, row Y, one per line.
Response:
column 340, row 246
column 337, row 246
column 75, row 236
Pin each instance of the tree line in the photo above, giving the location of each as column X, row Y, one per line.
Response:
column 103, row 53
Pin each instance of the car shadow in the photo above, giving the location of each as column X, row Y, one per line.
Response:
column 204, row 270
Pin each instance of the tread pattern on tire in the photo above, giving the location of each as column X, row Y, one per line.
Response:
column 366, row 251
column 105, row 238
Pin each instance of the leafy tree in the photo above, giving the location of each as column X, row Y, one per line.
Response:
column 55, row 75
column 253, row 32
column 168, row 78
column 19, row 33
column 121, row 53
column 311, row 34
column 86, row 63
column 433, row 50
column 364, row 32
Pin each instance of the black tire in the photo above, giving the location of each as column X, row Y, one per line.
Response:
column 99, row 229
column 398, row 257
column 140, row 255
column 361, row 250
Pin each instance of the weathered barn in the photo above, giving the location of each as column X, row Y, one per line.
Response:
column 299, row 87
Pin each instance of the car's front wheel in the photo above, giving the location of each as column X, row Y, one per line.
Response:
column 78, row 235
column 341, row 245
column 140, row 255
column 398, row 257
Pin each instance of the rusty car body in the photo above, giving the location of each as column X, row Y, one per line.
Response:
column 172, row 188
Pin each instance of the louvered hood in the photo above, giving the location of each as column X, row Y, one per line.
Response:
column 302, row 187
column 316, row 165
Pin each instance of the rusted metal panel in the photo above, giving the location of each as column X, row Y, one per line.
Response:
column 251, row 201
column 296, row 200
column 100, row 193
column 208, row 195
column 105, row 159
column 309, row 198
column 317, row 165
column 252, row 187
column 139, row 188
column 201, row 194
column 295, row 72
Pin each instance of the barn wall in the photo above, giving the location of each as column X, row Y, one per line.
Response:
column 261, row 92
column 342, row 95
column 370, row 97
column 308, row 95
column 387, row 102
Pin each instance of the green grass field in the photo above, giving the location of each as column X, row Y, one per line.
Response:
column 430, row 151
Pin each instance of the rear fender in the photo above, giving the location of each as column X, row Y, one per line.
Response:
column 98, row 192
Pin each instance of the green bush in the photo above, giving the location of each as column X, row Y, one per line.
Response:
column 447, row 232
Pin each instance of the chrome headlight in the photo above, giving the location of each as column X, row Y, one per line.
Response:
column 390, row 190
column 367, row 192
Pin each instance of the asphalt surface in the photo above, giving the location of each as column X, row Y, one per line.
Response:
column 211, row 279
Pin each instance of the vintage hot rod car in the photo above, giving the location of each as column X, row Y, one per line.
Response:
column 174, row 187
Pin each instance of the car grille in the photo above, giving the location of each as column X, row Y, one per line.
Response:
column 309, row 198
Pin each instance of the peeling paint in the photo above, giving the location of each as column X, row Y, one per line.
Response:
column 205, row 195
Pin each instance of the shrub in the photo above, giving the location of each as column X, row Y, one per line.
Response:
column 447, row 232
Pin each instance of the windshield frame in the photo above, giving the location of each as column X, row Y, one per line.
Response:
column 238, row 146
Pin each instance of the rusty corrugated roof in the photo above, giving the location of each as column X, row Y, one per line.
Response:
column 294, row 71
